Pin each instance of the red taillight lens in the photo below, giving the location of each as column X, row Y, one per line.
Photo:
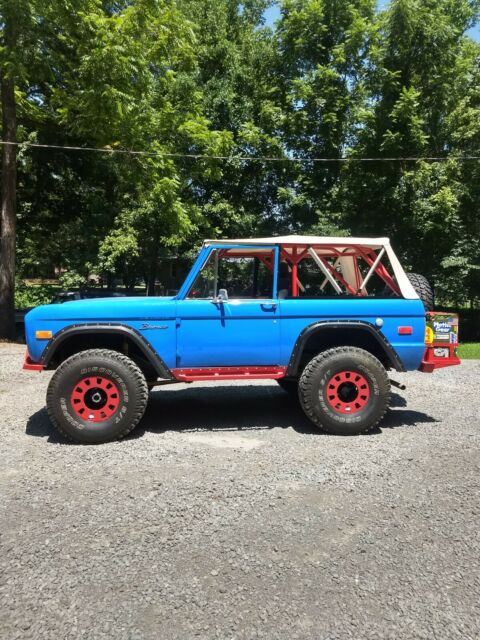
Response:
column 405, row 331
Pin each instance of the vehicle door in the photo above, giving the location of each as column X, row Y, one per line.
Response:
column 229, row 314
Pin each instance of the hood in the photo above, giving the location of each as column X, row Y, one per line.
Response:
column 104, row 309
column 57, row 317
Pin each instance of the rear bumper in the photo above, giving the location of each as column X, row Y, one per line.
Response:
column 430, row 361
column 441, row 339
column 29, row 365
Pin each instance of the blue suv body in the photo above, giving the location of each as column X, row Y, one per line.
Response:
column 300, row 310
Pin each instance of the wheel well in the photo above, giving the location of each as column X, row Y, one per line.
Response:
column 324, row 339
column 98, row 340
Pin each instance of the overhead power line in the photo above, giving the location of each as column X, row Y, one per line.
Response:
column 201, row 156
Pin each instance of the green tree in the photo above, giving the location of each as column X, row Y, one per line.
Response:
column 323, row 48
column 208, row 77
column 35, row 36
column 235, row 74
column 104, row 76
column 422, row 69
column 13, row 19
column 160, row 213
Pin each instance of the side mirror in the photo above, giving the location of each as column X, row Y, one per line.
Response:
column 222, row 296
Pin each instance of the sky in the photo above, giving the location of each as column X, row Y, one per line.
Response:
column 273, row 14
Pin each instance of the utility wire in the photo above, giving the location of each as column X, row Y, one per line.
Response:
column 200, row 156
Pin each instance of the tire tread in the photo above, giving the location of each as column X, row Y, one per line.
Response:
column 134, row 370
column 423, row 289
column 306, row 379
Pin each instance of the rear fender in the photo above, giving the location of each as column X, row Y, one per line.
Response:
column 326, row 330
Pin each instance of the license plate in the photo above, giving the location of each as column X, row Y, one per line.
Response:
column 440, row 353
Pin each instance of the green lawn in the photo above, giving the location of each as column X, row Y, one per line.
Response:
column 469, row 351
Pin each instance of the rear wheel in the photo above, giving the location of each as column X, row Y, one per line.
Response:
column 344, row 391
column 96, row 396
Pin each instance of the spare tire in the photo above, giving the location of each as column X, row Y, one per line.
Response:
column 423, row 289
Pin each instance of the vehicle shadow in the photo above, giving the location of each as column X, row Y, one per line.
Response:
column 39, row 426
column 223, row 408
column 247, row 407
column 228, row 408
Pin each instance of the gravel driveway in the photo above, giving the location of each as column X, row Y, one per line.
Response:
column 225, row 515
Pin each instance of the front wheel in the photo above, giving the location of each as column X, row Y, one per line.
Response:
column 96, row 396
column 344, row 391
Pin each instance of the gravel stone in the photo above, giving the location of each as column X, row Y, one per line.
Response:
column 226, row 515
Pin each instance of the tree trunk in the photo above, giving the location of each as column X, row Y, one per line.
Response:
column 8, row 210
column 151, row 283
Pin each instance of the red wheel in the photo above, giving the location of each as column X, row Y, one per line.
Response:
column 348, row 392
column 96, row 396
column 344, row 390
column 95, row 399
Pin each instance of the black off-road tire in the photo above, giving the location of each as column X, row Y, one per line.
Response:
column 321, row 371
column 424, row 290
column 290, row 386
column 116, row 372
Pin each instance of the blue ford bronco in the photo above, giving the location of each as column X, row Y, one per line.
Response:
column 325, row 317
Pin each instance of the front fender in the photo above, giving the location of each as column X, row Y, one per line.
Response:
column 106, row 329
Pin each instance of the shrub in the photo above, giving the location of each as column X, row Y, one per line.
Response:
column 27, row 296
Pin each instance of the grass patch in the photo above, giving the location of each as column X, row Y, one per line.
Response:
column 469, row 351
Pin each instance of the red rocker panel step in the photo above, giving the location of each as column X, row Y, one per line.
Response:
column 229, row 373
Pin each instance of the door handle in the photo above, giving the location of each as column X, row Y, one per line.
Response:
column 269, row 306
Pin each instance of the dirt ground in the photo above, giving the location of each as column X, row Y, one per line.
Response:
column 226, row 515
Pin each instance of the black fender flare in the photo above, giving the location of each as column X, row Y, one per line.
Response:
column 118, row 329
column 329, row 325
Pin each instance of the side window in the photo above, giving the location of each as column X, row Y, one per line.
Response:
column 341, row 272
column 313, row 283
column 376, row 287
column 243, row 276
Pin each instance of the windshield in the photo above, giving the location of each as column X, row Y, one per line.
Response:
column 243, row 276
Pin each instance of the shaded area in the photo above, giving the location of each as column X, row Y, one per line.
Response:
column 224, row 408
column 39, row 426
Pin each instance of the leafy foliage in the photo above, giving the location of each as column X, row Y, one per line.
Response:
column 333, row 78
column 27, row 296
column 423, row 83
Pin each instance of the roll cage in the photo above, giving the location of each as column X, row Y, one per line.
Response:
column 345, row 266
